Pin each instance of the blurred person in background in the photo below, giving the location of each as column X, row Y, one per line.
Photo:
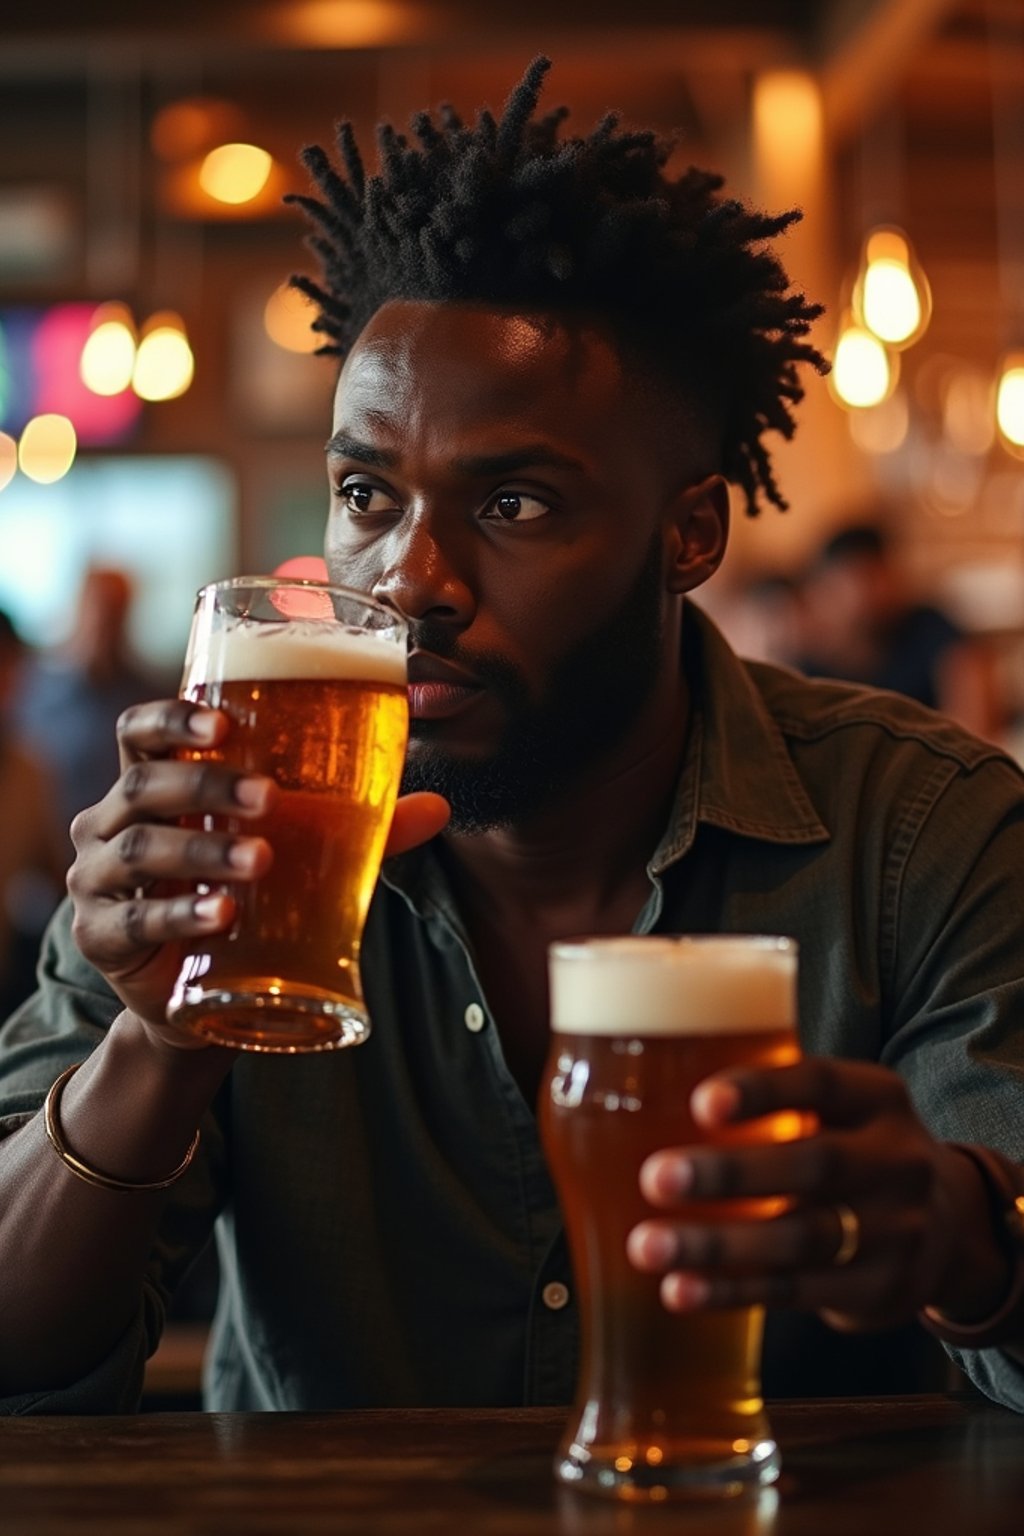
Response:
column 765, row 619
column 863, row 625
column 70, row 699
column 32, row 849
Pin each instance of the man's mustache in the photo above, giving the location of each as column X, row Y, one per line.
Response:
column 488, row 667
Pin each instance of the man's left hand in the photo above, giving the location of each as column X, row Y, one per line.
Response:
column 881, row 1219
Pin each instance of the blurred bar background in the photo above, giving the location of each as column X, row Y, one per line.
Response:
column 904, row 117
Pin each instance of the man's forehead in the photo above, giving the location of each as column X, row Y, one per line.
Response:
column 408, row 345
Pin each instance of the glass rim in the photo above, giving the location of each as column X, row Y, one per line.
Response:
column 306, row 583
column 662, row 945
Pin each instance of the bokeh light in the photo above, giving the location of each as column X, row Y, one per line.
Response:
column 235, row 173
column 108, row 356
column 287, row 317
column 47, row 448
column 1010, row 402
column 862, row 373
column 8, row 459
column 164, row 365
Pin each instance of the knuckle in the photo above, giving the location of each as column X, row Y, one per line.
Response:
column 716, row 1175
column 206, row 783
column 824, row 1163
column 202, row 851
column 81, row 930
column 133, row 921
column 126, row 720
column 172, row 716
column 134, row 780
column 81, row 827
column 132, row 845
column 705, row 1247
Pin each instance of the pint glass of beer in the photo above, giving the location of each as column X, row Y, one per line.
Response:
column 668, row 1404
column 314, row 680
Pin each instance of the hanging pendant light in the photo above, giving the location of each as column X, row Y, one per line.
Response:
column 892, row 297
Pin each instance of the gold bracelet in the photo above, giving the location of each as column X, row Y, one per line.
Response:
column 82, row 1170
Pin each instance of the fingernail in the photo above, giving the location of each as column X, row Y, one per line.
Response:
column 666, row 1176
column 202, row 724
column 651, row 1247
column 207, row 908
column 242, row 856
column 683, row 1293
column 713, row 1102
column 252, row 793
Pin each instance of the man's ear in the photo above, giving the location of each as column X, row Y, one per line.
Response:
column 697, row 532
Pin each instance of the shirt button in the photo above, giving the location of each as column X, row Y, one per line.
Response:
column 555, row 1295
column 474, row 1017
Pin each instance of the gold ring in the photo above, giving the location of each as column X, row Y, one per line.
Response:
column 849, row 1235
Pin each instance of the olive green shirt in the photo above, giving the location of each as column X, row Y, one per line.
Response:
column 387, row 1229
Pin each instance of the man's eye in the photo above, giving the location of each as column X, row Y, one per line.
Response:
column 362, row 499
column 516, row 507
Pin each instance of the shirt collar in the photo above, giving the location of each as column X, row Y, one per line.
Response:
column 737, row 772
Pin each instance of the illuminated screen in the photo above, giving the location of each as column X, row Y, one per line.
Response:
column 169, row 522
column 40, row 350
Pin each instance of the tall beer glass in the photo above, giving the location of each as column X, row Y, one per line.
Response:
column 314, row 680
column 667, row 1403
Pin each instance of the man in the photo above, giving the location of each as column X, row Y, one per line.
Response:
column 553, row 357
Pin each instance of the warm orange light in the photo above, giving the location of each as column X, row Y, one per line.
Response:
column 353, row 23
column 287, row 317
column 788, row 122
column 186, row 128
column 863, row 374
column 1010, row 402
column 47, row 448
column 108, row 356
column 164, row 364
column 235, row 173
column 892, row 296
column 8, row 459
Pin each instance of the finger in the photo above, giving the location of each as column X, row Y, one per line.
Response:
column 417, row 819
column 838, row 1092
column 824, row 1167
column 168, row 725
column 111, row 933
column 868, row 1297
column 799, row 1240
column 159, row 790
column 149, row 851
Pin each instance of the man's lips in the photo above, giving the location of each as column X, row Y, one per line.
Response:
column 439, row 689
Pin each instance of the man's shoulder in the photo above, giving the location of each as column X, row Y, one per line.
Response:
column 848, row 715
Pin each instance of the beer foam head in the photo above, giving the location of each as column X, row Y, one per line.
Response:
column 251, row 650
column 662, row 985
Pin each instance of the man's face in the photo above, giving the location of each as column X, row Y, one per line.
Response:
column 496, row 479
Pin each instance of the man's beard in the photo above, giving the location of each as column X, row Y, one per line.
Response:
column 594, row 696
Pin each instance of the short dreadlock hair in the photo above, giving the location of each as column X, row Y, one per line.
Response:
column 509, row 213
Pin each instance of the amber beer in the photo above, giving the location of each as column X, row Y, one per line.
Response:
column 313, row 679
column 667, row 1403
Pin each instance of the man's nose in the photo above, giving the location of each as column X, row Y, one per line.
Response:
column 425, row 578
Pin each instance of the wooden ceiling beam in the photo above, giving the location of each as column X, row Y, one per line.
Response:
column 864, row 48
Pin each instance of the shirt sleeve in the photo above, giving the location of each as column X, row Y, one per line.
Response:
column 956, row 895
column 64, row 1020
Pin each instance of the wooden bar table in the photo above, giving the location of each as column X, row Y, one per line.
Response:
column 924, row 1466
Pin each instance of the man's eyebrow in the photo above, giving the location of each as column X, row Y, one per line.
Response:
column 340, row 445
column 533, row 455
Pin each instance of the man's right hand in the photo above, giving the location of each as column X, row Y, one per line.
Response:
column 132, row 852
